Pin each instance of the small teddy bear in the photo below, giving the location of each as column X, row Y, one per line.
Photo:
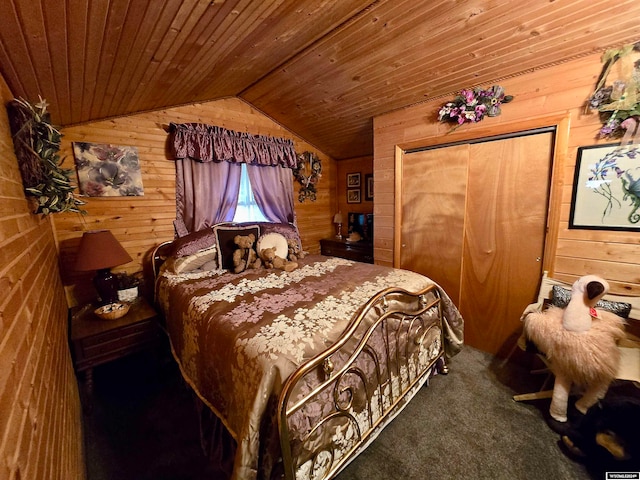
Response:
column 245, row 256
column 295, row 252
column 271, row 260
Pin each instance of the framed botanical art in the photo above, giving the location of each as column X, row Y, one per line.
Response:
column 107, row 170
column 353, row 180
column 368, row 187
column 606, row 188
column 353, row 196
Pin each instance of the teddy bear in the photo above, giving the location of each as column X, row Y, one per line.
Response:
column 271, row 260
column 579, row 343
column 295, row 252
column 245, row 256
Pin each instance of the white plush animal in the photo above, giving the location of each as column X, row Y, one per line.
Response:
column 580, row 344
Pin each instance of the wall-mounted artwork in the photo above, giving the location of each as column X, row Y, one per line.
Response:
column 368, row 187
column 353, row 196
column 107, row 170
column 353, row 180
column 606, row 189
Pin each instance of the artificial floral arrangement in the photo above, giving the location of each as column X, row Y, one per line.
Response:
column 36, row 143
column 472, row 105
column 308, row 173
column 619, row 102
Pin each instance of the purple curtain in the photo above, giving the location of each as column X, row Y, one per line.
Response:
column 208, row 174
column 206, row 194
column 209, row 143
column 273, row 190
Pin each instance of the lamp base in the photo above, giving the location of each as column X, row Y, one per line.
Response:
column 106, row 284
column 339, row 231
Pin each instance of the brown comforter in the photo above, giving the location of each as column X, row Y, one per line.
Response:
column 237, row 337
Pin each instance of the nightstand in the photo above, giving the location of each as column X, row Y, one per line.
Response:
column 96, row 341
column 358, row 251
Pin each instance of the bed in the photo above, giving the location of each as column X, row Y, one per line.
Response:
column 305, row 368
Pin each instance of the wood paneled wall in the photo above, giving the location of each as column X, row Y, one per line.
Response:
column 363, row 166
column 142, row 222
column 40, row 414
column 541, row 97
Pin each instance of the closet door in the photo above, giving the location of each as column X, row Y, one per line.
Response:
column 507, row 204
column 477, row 215
column 434, row 186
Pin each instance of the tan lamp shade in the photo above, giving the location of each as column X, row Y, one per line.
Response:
column 337, row 218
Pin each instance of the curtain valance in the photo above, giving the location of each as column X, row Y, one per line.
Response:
column 210, row 143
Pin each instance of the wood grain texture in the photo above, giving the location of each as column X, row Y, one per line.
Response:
column 505, row 222
column 434, row 195
column 40, row 419
column 542, row 98
column 139, row 223
column 322, row 68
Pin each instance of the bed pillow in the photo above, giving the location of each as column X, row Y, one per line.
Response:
column 193, row 242
column 224, row 235
column 205, row 259
column 288, row 230
column 271, row 240
column 561, row 296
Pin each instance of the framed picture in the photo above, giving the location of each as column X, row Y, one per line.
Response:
column 353, row 195
column 606, row 188
column 106, row 170
column 368, row 187
column 353, row 180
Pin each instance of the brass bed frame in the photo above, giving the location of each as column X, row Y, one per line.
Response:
column 413, row 351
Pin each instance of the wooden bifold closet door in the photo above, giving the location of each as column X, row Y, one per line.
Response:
column 474, row 220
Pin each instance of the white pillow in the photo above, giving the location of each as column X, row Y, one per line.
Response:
column 274, row 240
column 196, row 261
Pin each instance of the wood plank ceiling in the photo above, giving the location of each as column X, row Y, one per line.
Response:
column 322, row 68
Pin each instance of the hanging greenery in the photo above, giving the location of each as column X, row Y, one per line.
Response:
column 308, row 173
column 36, row 143
column 618, row 102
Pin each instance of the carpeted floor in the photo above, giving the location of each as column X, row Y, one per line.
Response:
column 465, row 425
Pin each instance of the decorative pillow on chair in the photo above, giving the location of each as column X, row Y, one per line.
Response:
column 224, row 235
column 561, row 296
column 193, row 242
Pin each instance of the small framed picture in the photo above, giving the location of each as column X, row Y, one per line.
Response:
column 353, row 195
column 368, row 187
column 353, row 180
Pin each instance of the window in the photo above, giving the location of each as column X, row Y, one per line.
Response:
column 247, row 209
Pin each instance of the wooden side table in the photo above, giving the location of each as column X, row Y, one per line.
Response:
column 96, row 341
column 358, row 251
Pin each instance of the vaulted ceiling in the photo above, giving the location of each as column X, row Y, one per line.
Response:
column 322, row 68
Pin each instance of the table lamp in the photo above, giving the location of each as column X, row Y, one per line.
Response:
column 99, row 250
column 337, row 219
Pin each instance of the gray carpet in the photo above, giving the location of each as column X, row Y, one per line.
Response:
column 465, row 425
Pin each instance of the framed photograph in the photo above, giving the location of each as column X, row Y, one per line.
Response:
column 368, row 187
column 606, row 188
column 353, row 180
column 353, row 195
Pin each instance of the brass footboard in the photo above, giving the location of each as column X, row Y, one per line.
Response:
column 333, row 406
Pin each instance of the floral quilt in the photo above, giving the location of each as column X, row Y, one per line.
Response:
column 237, row 337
